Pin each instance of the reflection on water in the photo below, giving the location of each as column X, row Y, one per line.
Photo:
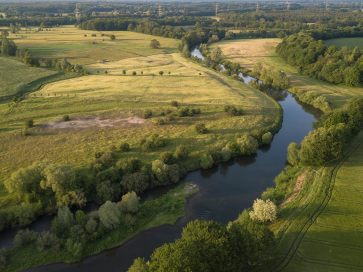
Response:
column 225, row 190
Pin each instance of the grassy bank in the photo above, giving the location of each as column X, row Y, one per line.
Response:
column 164, row 210
column 320, row 230
column 248, row 52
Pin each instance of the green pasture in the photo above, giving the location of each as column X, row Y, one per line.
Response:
column 14, row 74
column 248, row 52
column 349, row 42
column 79, row 47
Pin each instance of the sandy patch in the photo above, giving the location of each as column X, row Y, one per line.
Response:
column 97, row 121
column 299, row 183
column 187, row 189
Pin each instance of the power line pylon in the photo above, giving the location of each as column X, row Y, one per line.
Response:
column 288, row 5
column 258, row 5
column 216, row 9
column 77, row 13
column 160, row 13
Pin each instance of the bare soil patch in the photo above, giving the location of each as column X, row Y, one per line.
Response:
column 299, row 183
column 97, row 121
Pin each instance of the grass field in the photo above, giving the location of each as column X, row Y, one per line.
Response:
column 71, row 43
column 15, row 73
column 248, row 52
column 100, row 104
column 350, row 42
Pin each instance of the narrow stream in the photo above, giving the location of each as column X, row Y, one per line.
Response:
column 225, row 190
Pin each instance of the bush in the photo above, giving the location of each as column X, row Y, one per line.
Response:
column 165, row 174
column 169, row 117
column 147, row 147
column 124, row 147
column 293, row 153
column 145, row 115
column 152, row 137
column 206, row 161
column 109, row 215
column 167, row 157
column 168, row 110
column 3, row 259
column 134, row 73
column 139, row 265
column 225, row 154
column 129, row 220
column 200, row 128
column 137, row 182
column 107, row 191
column 26, row 132
column 129, row 202
column 142, row 141
column 215, row 153
column 174, row 103
column 248, row 145
column 112, row 148
column 267, row 138
column 24, row 237
column 196, row 111
column 47, row 239
column 183, row 112
column 159, row 142
column 263, row 210
column 65, row 118
column 160, row 121
column 129, row 165
column 29, row 123
column 107, row 157
column 161, row 73
column 91, row 226
column 109, row 174
column 181, row 153
column 233, row 147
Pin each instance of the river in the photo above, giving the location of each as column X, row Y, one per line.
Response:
column 225, row 190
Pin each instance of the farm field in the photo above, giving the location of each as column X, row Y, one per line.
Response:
column 350, row 42
column 105, row 109
column 326, row 235
column 248, row 52
column 79, row 47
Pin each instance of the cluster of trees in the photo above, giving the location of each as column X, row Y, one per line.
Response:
column 270, row 76
column 313, row 58
column 312, row 98
column 64, row 65
column 332, row 132
column 212, row 246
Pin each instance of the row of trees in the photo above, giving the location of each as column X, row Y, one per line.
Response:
column 313, row 58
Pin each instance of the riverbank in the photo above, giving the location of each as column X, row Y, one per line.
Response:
column 164, row 210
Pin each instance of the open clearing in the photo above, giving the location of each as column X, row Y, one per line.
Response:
column 70, row 43
column 350, row 42
column 249, row 52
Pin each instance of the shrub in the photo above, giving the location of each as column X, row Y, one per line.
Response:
column 137, row 182
column 216, row 154
column 65, row 217
column 124, row 72
column 129, row 220
column 167, row 157
column 129, row 202
column 47, row 239
column 109, row 174
column 80, row 218
column 139, row 265
column 3, row 258
column 124, row 147
column 168, row 111
column 160, row 121
column 161, row 73
column 165, row 174
column 112, row 37
column 267, row 138
column 181, row 153
column 107, row 157
column 109, row 215
column 96, row 166
column 183, row 112
column 134, row 73
column 233, row 147
column 147, row 147
column 91, row 226
column 112, row 148
column 248, row 145
column 169, row 117
column 142, row 141
column 24, row 237
column 145, row 115
column 107, row 191
column 129, row 165
column 293, row 153
column 263, row 210
column 65, row 118
column 152, row 137
column 196, row 111
column 26, row 132
column 159, row 142
column 29, row 123
column 206, row 161
column 225, row 154
column 200, row 128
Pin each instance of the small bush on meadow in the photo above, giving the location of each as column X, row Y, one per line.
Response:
column 160, row 121
column 181, row 152
column 112, row 148
column 65, row 118
column 206, row 161
column 29, row 123
column 169, row 117
column 263, row 210
column 159, row 142
column 167, row 158
column 107, row 157
column 147, row 147
column 267, row 138
column 142, row 141
column 200, row 128
column 124, row 147
column 174, row 103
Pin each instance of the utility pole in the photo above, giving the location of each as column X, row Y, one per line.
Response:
column 257, row 6
column 76, row 12
column 160, row 11
column 216, row 9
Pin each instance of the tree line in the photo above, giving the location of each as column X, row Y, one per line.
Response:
column 313, row 58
